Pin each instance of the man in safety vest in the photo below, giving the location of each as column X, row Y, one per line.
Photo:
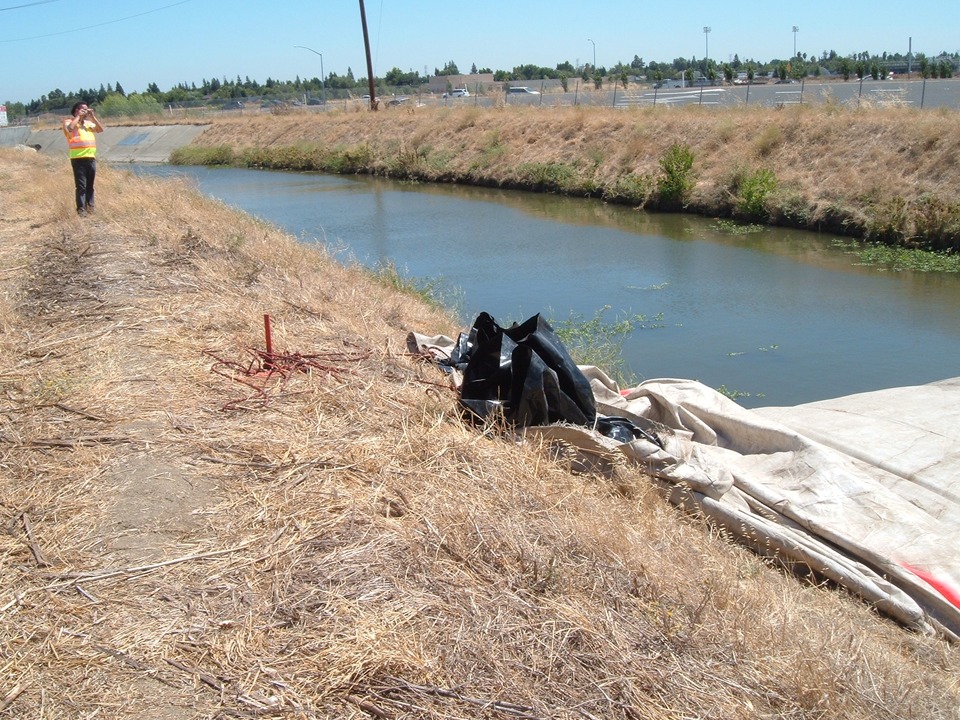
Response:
column 80, row 130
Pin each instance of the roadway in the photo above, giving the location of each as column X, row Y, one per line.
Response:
column 908, row 93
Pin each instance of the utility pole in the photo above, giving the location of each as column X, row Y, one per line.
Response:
column 366, row 45
column 594, row 55
column 706, row 39
column 795, row 31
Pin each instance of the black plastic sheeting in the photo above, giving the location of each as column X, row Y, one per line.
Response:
column 525, row 375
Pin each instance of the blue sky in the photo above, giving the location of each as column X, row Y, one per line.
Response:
column 68, row 45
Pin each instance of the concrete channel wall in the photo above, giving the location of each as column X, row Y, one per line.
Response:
column 146, row 144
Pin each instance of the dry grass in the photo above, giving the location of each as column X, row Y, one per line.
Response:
column 837, row 168
column 344, row 546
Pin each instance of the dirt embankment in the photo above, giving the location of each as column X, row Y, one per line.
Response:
column 889, row 174
column 186, row 535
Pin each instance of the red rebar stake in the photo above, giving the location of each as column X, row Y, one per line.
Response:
column 268, row 335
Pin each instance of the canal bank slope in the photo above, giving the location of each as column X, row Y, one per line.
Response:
column 886, row 174
column 188, row 533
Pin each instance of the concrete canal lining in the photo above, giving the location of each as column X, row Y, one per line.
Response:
column 142, row 143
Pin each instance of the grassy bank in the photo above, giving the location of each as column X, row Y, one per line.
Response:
column 187, row 537
column 887, row 175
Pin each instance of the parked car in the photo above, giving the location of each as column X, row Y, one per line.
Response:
column 457, row 92
column 518, row 90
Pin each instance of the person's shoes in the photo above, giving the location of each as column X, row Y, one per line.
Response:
column 91, row 210
column 81, row 212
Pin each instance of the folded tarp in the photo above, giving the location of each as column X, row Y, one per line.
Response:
column 861, row 490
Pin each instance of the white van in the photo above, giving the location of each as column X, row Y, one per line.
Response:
column 518, row 90
column 458, row 92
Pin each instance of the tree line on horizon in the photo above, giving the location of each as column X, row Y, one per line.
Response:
column 112, row 100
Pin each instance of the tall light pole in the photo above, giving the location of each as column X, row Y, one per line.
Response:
column 706, row 40
column 323, row 81
column 594, row 54
column 795, row 31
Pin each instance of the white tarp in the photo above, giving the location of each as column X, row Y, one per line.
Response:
column 863, row 490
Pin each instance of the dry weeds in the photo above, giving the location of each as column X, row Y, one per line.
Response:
column 344, row 546
column 837, row 167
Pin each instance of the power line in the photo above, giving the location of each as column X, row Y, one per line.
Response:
column 90, row 27
column 17, row 7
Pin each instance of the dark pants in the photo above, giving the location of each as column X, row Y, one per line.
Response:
column 84, row 173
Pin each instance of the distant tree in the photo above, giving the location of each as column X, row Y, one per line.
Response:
column 846, row 68
column 119, row 90
column 396, row 78
column 727, row 72
column 566, row 67
column 153, row 88
column 623, row 79
column 135, row 104
column 473, row 69
column 449, row 69
column 637, row 64
column 597, row 80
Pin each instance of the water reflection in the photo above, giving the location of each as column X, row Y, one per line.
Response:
column 786, row 316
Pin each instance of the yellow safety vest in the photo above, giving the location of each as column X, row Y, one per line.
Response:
column 82, row 142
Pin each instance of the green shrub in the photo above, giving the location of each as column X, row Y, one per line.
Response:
column 791, row 209
column 190, row 155
column 676, row 178
column 886, row 221
column 351, row 160
column 752, row 193
column 557, row 177
column 630, row 189
column 407, row 163
column 937, row 223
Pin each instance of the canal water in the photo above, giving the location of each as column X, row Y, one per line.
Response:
column 777, row 317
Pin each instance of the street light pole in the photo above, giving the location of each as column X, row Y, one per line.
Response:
column 706, row 40
column 594, row 54
column 795, row 31
column 323, row 81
